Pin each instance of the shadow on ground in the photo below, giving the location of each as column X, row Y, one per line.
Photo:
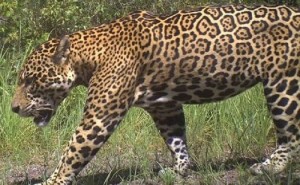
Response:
column 114, row 177
column 229, row 164
column 228, row 168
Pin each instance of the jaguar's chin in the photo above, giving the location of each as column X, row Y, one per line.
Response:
column 43, row 118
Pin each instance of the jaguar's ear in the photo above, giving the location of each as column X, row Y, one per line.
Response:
column 62, row 52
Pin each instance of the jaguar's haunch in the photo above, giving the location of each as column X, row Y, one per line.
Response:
column 161, row 62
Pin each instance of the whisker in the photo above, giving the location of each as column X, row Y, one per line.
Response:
column 28, row 107
column 44, row 108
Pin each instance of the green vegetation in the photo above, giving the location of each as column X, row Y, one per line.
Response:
column 223, row 138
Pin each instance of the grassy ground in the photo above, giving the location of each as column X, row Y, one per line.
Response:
column 224, row 139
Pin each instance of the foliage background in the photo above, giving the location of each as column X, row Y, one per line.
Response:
column 28, row 22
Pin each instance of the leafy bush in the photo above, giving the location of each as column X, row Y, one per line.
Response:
column 28, row 22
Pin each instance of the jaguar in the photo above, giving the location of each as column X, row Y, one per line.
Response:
column 159, row 63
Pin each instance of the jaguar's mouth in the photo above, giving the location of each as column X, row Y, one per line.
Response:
column 43, row 117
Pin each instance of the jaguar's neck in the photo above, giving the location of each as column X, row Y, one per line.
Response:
column 84, row 47
column 102, row 49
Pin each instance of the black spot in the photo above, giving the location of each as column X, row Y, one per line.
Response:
column 73, row 149
column 277, row 111
column 182, row 157
column 145, row 54
column 293, row 83
column 159, row 87
column 87, row 127
column 206, row 93
column 110, row 127
column 269, row 68
column 192, row 87
column 267, row 91
column 110, row 117
column 280, row 123
column 280, row 152
column 91, row 136
column 89, row 116
column 122, row 106
column 177, row 142
column 182, row 97
column 94, row 151
column 69, row 160
column 196, row 80
column 227, row 92
column 170, row 141
column 293, row 129
column 294, row 89
column 282, row 140
column 283, row 102
column 273, row 98
column 291, row 108
column 85, row 151
column 76, row 165
column 80, row 139
column 291, row 73
column 282, row 86
column 180, row 88
column 96, row 129
column 100, row 139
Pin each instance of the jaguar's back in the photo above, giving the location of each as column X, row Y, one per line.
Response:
column 215, row 52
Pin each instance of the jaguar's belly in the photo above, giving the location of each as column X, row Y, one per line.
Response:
column 192, row 90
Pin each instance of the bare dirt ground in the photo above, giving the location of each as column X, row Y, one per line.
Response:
column 95, row 173
column 34, row 174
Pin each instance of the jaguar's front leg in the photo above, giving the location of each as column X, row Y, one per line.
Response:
column 103, row 112
column 85, row 143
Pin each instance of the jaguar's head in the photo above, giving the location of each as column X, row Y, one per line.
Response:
column 44, row 81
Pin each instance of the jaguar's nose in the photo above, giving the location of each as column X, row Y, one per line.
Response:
column 15, row 109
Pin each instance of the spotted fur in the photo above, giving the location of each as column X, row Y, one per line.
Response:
column 161, row 62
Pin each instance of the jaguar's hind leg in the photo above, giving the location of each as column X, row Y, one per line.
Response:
column 283, row 98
